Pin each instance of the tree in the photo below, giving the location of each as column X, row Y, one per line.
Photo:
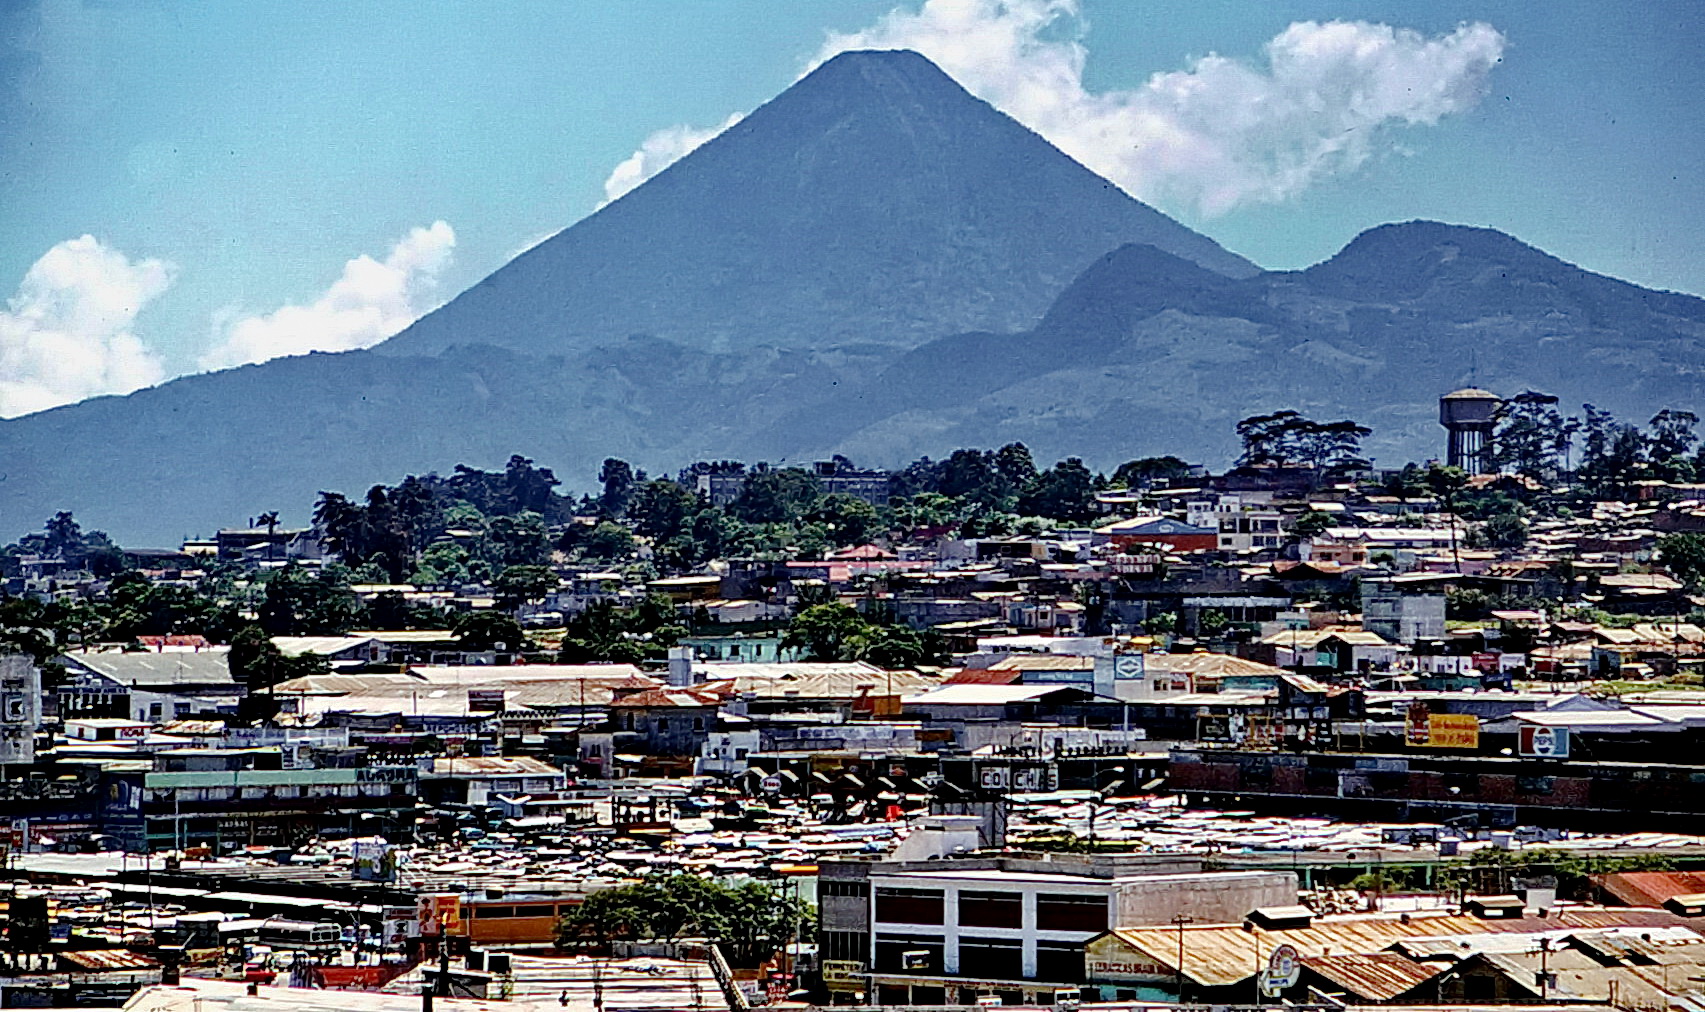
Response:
column 257, row 663
column 617, row 478
column 750, row 921
column 776, row 496
column 826, row 632
column 517, row 585
column 1287, row 439
column 1669, row 439
column 1145, row 471
column 1065, row 491
column 609, row 541
column 490, row 630
column 1530, row 436
column 269, row 520
column 1016, row 468
column 1684, row 556
column 1311, row 524
column 1505, row 530
column 296, row 602
column 661, row 509
column 847, row 520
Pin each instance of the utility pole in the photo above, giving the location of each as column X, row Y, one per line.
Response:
column 1181, row 920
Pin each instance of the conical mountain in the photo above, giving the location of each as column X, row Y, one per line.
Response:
column 874, row 201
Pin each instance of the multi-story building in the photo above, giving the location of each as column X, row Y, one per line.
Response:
column 940, row 925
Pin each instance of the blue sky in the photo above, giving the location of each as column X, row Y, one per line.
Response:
column 230, row 159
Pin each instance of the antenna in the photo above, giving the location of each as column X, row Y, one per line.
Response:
column 1474, row 367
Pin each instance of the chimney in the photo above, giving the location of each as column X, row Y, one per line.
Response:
column 740, row 704
column 680, row 667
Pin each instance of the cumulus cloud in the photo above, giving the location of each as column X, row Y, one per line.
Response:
column 1220, row 132
column 66, row 334
column 1323, row 99
column 660, row 150
column 370, row 302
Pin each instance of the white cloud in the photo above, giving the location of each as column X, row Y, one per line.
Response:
column 370, row 302
column 1219, row 133
column 660, row 150
column 66, row 334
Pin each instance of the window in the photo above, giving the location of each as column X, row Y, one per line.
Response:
column 842, row 887
column 891, row 953
column 662, row 725
column 1071, row 913
column 991, row 910
column 1059, row 961
column 698, row 723
column 990, row 958
column 485, row 912
column 909, row 906
column 535, row 910
column 845, row 945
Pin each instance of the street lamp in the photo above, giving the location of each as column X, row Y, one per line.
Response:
column 1181, row 920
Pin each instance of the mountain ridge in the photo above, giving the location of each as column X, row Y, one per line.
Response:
column 874, row 200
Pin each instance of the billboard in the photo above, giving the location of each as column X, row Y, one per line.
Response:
column 1423, row 729
column 437, row 911
column 1538, row 742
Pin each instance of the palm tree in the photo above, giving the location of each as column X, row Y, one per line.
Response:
column 271, row 522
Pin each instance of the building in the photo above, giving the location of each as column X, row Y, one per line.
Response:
column 1175, row 534
column 932, row 928
column 152, row 687
column 1399, row 614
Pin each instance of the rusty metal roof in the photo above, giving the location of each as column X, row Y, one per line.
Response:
column 1217, row 955
column 1651, row 888
column 1375, row 976
column 102, row 960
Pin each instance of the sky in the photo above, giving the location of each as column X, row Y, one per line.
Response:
column 187, row 186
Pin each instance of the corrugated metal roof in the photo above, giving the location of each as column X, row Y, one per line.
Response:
column 503, row 766
column 1217, row 955
column 1651, row 888
column 1375, row 976
column 101, row 960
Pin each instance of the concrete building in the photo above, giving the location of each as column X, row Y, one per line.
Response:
column 1400, row 616
column 949, row 926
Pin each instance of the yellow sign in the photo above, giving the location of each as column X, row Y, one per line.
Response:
column 843, row 974
column 1442, row 730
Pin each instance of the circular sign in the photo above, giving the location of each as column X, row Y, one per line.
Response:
column 772, row 785
column 1283, row 970
column 1544, row 741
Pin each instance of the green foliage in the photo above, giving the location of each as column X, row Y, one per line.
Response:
column 517, row 585
column 1530, row 436
column 609, row 542
column 661, row 510
column 777, row 496
column 1145, row 471
column 1287, row 439
column 62, row 537
column 258, row 664
column 298, row 602
column 1311, row 524
column 1684, row 556
column 1065, row 491
column 490, row 630
column 749, row 921
column 629, row 635
column 837, row 632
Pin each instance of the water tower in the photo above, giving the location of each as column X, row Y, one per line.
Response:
column 1469, row 415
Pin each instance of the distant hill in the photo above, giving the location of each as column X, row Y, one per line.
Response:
column 876, row 264
column 874, row 201
column 1147, row 350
